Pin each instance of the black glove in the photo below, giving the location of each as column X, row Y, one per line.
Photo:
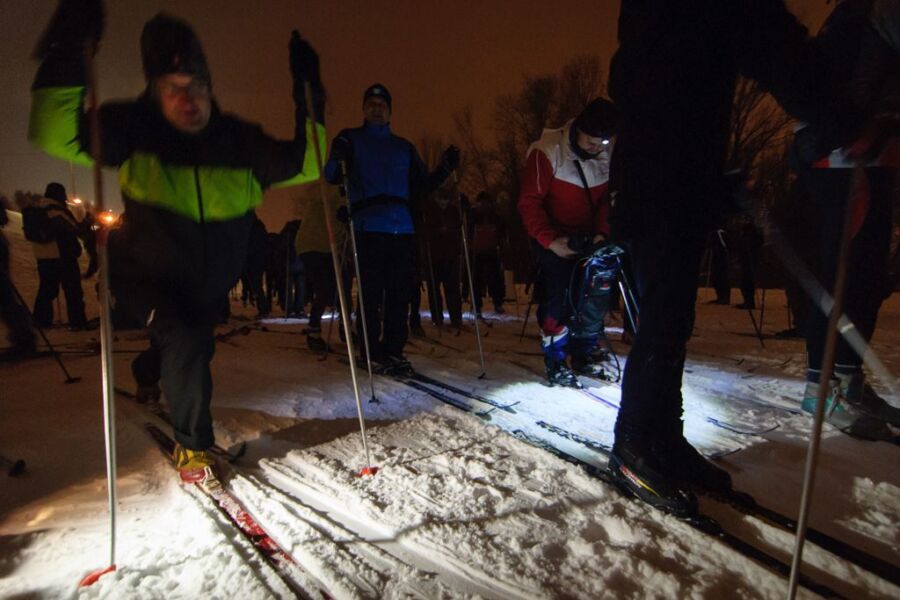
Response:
column 343, row 214
column 342, row 150
column 73, row 23
column 304, row 61
column 450, row 159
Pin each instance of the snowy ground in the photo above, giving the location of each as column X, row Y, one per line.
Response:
column 459, row 508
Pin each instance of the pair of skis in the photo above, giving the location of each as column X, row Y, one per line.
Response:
column 227, row 503
column 741, row 502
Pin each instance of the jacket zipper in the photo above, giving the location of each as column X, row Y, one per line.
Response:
column 205, row 264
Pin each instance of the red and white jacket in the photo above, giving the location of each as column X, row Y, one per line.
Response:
column 552, row 201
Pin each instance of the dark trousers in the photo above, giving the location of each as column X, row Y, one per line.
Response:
column 867, row 268
column 487, row 272
column 665, row 263
column 53, row 273
column 387, row 272
column 14, row 314
column 320, row 275
column 446, row 279
column 558, row 286
column 184, row 349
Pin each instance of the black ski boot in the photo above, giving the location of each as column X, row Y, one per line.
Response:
column 395, row 366
column 692, row 469
column 873, row 404
column 592, row 365
column 559, row 373
column 634, row 466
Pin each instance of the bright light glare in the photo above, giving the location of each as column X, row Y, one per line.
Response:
column 76, row 201
column 108, row 218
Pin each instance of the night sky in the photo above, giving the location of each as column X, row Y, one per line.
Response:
column 435, row 57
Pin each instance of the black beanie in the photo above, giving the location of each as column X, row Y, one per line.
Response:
column 598, row 119
column 169, row 45
column 56, row 191
column 376, row 89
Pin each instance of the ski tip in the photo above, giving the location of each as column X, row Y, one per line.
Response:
column 94, row 576
column 368, row 472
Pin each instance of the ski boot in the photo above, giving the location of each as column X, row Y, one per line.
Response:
column 693, row 470
column 196, row 466
column 636, row 470
column 148, row 394
column 395, row 366
column 559, row 373
column 873, row 404
column 843, row 407
column 592, row 365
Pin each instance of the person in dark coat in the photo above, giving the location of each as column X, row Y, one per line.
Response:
column 673, row 79
column 191, row 177
column 387, row 180
column 54, row 233
column 12, row 313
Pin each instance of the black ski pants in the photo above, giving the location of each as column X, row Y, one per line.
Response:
column 320, row 275
column 180, row 353
column 446, row 280
column 558, row 279
column 487, row 272
column 665, row 261
column 387, row 273
column 867, row 267
column 54, row 272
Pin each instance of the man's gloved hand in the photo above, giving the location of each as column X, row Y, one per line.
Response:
column 343, row 214
column 342, row 150
column 450, row 159
column 304, row 61
column 73, row 23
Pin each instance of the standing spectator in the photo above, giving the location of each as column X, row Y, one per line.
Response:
column 442, row 237
column 53, row 232
column 387, row 178
column 487, row 231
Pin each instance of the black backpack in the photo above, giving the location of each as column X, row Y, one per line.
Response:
column 36, row 225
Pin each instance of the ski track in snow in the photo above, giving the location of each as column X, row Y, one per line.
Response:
column 459, row 508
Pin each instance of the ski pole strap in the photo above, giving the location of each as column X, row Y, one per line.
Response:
column 587, row 191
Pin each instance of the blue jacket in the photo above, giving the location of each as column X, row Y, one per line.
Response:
column 386, row 179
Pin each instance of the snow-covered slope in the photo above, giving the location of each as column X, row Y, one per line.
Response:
column 459, row 508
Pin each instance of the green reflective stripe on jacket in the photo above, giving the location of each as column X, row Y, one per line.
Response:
column 54, row 123
column 226, row 193
column 310, row 171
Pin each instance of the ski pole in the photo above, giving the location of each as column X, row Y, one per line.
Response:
column 53, row 351
column 465, row 243
column 812, row 452
column 369, row 469
column 433, row 291
column 106, row 363
column 359, row 285
column 334, row 301
column 531, row 294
